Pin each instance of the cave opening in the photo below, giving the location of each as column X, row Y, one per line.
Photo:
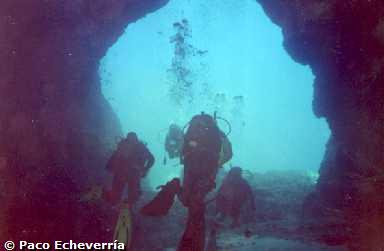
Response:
column 235, row 64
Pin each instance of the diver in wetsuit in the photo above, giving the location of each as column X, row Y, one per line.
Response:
column 233, row 195
column 128, row 164
column 202, row 154
column 174, row 141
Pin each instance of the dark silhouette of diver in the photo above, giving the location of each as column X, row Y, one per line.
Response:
column 174, row 141
column 233, row 195
column 129, row 164
column 201, row 156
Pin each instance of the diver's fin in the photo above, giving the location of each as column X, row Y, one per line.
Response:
column 163, row 201
column 123, row 229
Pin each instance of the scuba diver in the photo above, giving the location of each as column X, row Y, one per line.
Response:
column 129, row 164
column 234, row 193
column 201, row 156
column 174, row 141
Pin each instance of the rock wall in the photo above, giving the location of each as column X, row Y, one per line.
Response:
column 56, row 128
column 343, row 42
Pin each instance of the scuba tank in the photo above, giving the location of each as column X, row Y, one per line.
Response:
column 203, row 135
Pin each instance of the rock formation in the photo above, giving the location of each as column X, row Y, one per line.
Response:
column 343, row 42
column 56, row 128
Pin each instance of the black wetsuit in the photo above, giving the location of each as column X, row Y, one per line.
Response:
column 201, row 155
column 129, row 163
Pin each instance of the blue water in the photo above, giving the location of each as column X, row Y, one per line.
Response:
column 273, row 128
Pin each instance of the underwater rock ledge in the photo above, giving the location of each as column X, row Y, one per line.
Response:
column 52, row 106
column 342, row 41
column 56, row 127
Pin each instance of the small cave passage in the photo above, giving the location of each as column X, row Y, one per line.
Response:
column 223, row 57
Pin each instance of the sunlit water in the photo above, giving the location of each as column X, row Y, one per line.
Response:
column 273, row 128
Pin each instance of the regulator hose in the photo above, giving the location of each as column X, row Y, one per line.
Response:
column 216, row 118
column 227, row 122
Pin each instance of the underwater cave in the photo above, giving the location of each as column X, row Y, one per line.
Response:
column 244, row 74
column 298, row 84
